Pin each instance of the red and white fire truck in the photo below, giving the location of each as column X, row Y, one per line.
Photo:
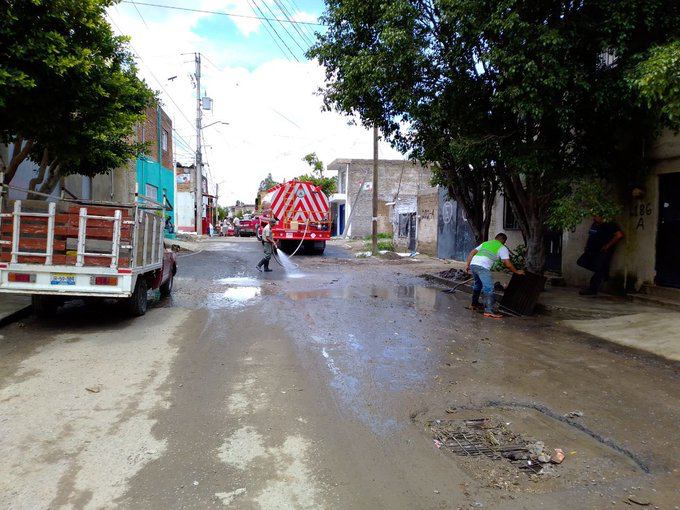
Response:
column 303, row 213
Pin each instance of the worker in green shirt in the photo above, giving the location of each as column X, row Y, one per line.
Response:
column 479, row 263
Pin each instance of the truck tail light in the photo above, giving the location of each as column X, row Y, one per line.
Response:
column 103, row 280
column 21, row 277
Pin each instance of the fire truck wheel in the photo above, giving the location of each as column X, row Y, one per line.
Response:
column 44, row 307
column 166, row 288
column 137, row 303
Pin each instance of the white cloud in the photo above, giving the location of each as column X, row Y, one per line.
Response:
column 274, row 115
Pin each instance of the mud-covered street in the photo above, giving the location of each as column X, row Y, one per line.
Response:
column 323, row 387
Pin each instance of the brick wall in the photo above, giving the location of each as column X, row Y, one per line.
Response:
column 147, row 131
column 397, row 181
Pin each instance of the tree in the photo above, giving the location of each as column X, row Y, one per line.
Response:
column 313, row 161
column 523, row 96
column 69, row 93
column 267, row 183
column 328, row 185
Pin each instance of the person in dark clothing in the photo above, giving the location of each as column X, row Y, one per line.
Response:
column 602, row 239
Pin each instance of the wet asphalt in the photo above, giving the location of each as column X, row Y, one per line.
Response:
column 315, row 387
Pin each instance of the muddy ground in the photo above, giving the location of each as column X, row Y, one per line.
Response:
column 318, row 388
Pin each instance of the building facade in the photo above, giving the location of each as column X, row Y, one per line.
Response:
column 406, row 202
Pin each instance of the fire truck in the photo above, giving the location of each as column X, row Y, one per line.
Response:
column 303, row 213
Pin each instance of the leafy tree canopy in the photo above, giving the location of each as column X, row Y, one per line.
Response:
column 315, row 163
column 267, row 183
column 328, row 185
column 524, row 95
column 69, row 92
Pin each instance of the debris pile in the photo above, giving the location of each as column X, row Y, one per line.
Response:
column 493, row 439
column 455, row 274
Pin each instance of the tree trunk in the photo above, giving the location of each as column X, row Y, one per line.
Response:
column 52, row 180
column 40, row 177
column 535, row 257
column 19, row 153
column 528, row 202
column 475, row 193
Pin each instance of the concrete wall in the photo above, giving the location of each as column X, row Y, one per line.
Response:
column 398, row 181
column 185, row 211
column 634, row 261
column 497, row 224
column 428, row 203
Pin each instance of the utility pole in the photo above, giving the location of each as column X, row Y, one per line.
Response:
column 199, row 156
column 374, row 242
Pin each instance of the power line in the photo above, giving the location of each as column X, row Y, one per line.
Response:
column 230, row 14
column 287, row 14
column 140, row 15
column 306, row 27
column 274, row 30
column 154, row 76
column 285, row 29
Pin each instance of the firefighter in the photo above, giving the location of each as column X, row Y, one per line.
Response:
column 268, row 243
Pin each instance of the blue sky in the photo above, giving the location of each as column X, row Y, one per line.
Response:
column 269, row 100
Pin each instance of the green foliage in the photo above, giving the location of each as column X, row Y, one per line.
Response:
column 385, row 246
column 513, row 94
column 586, row 197
column 517, row 257
column 315, row 163
column 68, row 86
column 328, row 185
column 267, row 183
column 239, row 214
column 657, row 80
column 381, row 235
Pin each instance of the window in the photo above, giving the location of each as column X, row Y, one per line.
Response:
column 164, row 140
column 151, row 192
column 509, row 219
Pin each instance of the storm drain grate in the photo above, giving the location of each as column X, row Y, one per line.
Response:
column 483, row 437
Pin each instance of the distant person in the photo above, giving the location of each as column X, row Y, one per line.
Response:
column 237, row 226
column 603, row 237
column 269, row 245
column 479, row 263
column 169, row 227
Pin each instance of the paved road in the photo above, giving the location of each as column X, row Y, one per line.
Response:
column 319, row 388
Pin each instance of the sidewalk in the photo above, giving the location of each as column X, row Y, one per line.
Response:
column 12, row 307
column 616, row 319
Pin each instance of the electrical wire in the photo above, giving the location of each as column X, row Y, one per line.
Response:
column 287, row 15
column 274, row 30
column 152, row 74
column 230, row 14
column 285, row 29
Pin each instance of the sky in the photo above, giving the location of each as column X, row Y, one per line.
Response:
column 264, row 91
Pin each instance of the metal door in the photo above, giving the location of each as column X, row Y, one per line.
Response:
column 341, row 219
column 454, row 235
column 412, row 232
column 668, row 233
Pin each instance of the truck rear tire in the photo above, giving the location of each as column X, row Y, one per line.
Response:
column 166, row 288
column 44, row 307
column 137, row 303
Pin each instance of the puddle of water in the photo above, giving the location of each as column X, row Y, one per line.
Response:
column 241, row 294
column 238, row 280
column 423, row 298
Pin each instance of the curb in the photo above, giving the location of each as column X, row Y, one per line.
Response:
column 15, row 316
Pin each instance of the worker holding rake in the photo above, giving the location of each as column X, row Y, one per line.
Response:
column 479, row 263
